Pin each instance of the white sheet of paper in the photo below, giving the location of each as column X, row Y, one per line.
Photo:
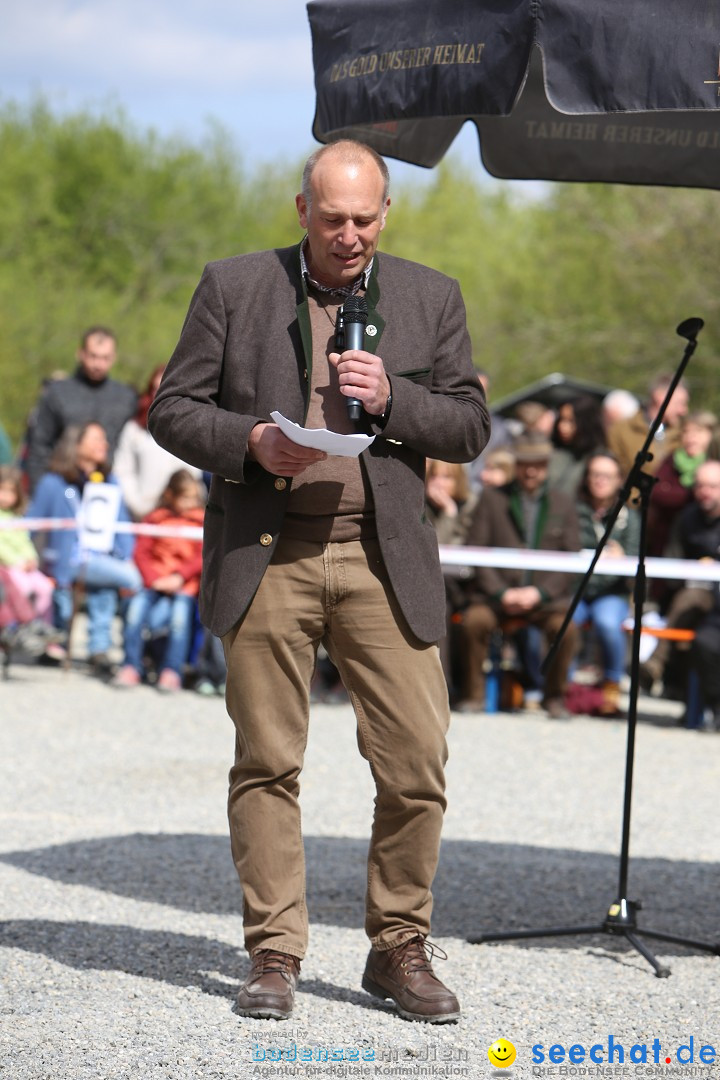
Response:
column 322, row 439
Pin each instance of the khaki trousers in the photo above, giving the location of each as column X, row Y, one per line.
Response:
column 340, row 595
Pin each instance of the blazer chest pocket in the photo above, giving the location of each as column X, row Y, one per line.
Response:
column 414, row 374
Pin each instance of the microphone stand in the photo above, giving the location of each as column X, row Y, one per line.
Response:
column 621, row 918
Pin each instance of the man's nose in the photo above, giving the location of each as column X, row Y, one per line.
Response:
column 348, row 236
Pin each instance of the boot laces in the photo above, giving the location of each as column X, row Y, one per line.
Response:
column 271, row 960
column 418, row 954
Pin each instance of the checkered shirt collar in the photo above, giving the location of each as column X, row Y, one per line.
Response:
column 360, row 282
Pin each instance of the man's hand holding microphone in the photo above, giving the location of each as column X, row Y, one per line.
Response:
column 362, row 380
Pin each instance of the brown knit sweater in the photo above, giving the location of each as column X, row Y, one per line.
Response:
column 329, row 501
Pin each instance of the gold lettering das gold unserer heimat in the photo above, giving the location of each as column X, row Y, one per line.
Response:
column 402, row 59
column 634, row 134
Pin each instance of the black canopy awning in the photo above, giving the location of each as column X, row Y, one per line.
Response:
column 558, row 89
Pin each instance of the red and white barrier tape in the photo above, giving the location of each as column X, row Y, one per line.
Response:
column 460, row 556
column 577, row 563
column 137, row 528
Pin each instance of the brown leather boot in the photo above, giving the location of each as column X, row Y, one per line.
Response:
column 268, row 993
column 406, row 975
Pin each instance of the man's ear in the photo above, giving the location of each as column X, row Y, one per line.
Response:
column 302, row 210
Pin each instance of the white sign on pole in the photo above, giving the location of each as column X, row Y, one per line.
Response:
column 97, row 517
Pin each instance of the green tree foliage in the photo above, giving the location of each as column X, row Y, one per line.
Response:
column 100, row 223
column 590, row 280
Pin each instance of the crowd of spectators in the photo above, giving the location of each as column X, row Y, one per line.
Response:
column 563, row 470
column 86, row 472
column 548, row 480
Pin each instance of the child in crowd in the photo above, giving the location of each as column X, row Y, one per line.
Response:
column 25, row 592
column 498, row 468
column 170, row 568
column 17, row 552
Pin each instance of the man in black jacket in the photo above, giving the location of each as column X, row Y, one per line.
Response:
column 695, row 535
column 87, row 395
column 703, row 657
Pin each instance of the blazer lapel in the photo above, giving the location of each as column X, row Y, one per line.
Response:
column 375, row 322
column 303, row 317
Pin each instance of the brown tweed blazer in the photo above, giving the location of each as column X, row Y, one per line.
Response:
column 245, row 349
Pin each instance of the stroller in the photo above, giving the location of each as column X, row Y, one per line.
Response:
column 20, row 629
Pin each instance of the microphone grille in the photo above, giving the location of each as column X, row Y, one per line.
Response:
column 355, row 310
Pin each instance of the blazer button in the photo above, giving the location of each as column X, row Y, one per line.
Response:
column 266, row 539
column 280, row 483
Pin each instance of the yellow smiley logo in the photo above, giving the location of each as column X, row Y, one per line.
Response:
column 501, row 1053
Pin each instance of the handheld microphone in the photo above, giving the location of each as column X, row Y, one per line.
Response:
column 354, row 319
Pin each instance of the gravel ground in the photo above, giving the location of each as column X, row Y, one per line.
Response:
column 121, row 940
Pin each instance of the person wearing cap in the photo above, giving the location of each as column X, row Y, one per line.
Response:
column 524, row 514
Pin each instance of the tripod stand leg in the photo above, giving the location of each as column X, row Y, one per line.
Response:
column 661, row 971
column 621, row 917
column 546, row 931
column 706, row 946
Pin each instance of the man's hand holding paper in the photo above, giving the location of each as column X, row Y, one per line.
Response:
column 322, row 439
